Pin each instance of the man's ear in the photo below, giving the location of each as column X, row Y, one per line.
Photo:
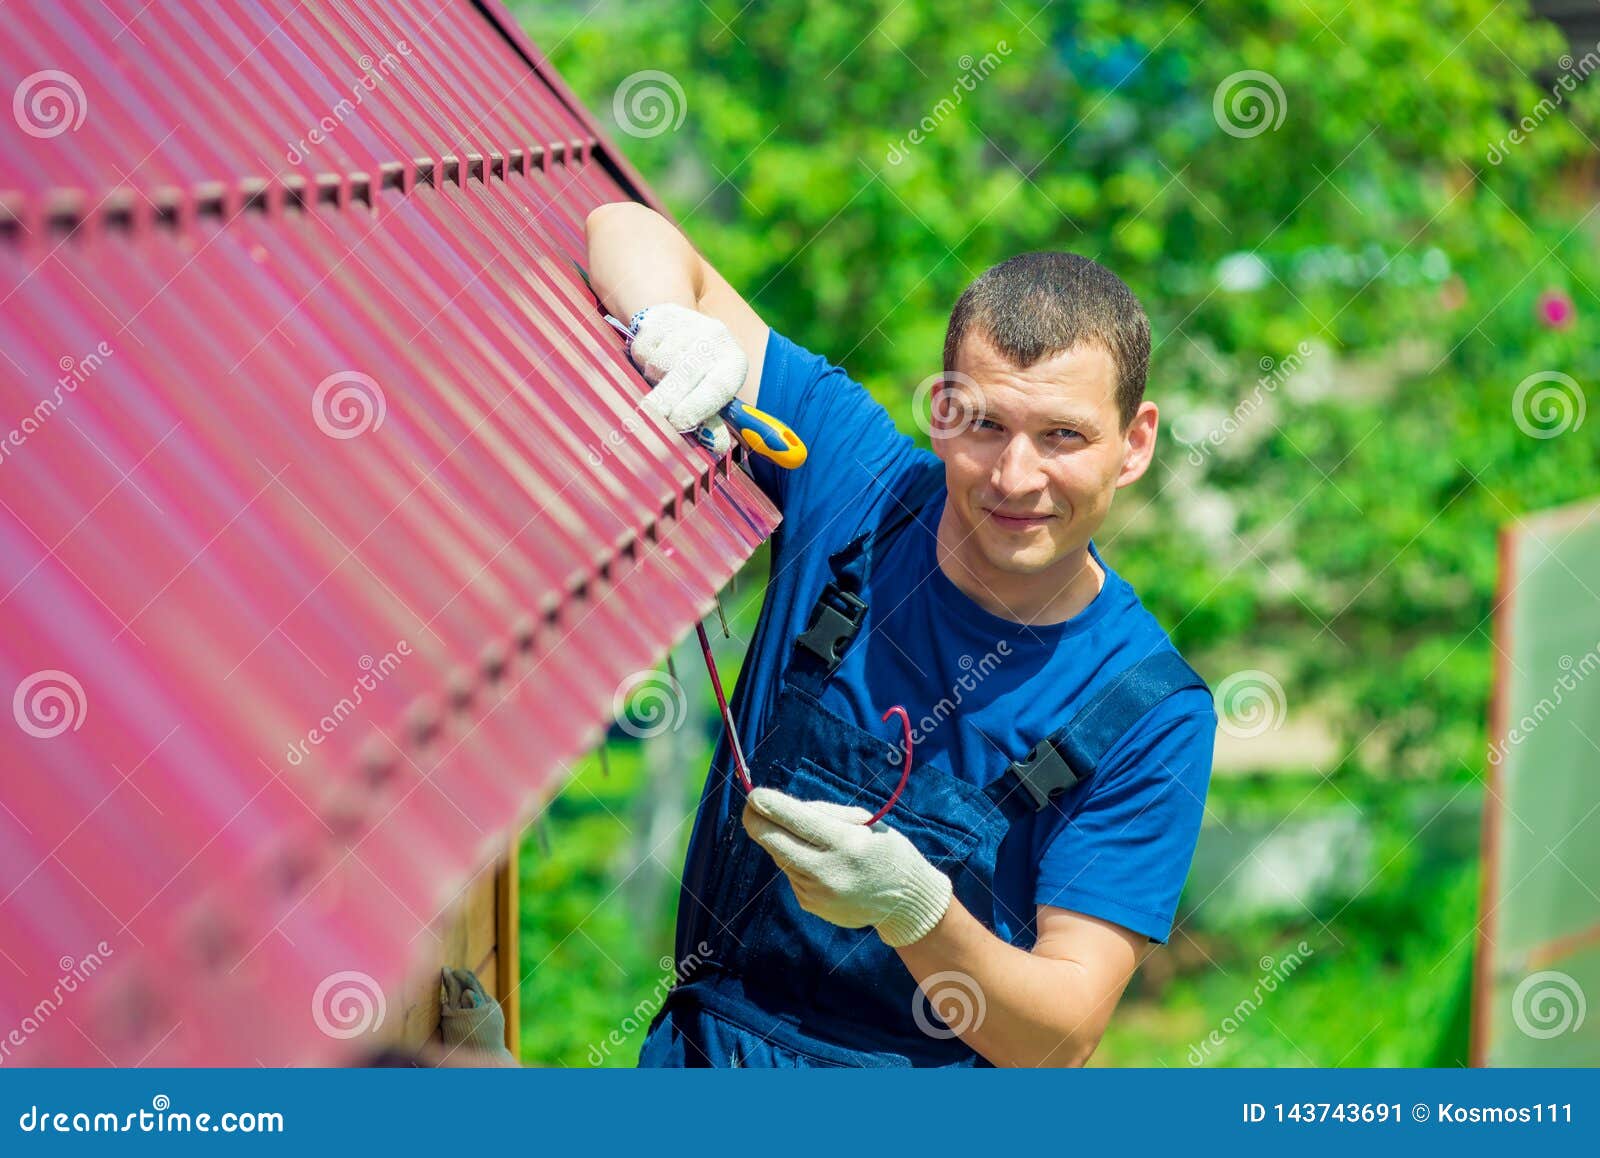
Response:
column 1139, row 443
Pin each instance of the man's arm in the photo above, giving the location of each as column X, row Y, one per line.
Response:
column 638, row 258
column 1049, row 1007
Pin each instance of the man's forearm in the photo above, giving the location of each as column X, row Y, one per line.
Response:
column 637, row 258
column 1025, row 1009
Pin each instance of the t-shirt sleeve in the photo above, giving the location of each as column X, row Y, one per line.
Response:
column 1126, row 853
column 854, row 452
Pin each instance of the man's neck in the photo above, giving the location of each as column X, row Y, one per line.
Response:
column 1040, row 599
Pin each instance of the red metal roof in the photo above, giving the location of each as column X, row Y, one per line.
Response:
column 328, row 526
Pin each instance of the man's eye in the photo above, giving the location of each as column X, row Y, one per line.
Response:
column 1065, row 432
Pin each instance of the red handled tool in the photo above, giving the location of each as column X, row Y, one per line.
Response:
column 743, row 768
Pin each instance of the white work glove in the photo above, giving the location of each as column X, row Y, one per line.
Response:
column 695, row 365
column 846, row 873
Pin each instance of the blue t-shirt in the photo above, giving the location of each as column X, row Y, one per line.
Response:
column 981, row 690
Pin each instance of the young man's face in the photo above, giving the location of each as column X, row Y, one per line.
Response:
column 1033, row 456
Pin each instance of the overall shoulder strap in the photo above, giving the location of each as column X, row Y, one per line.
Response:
column 840, row 609
column 1072, row 754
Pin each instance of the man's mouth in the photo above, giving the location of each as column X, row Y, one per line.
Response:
column 1017, row 520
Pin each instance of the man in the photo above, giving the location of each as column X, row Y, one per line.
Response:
column 951, row 603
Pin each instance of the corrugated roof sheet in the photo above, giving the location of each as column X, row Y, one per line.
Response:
column 328, row 527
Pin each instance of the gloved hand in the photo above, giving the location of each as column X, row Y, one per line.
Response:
column 695, row 365
column 470, row 1018
column 846, row 873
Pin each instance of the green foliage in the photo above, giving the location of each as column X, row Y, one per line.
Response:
column 1390, row 243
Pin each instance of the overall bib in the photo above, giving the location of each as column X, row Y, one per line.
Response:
column 786, row 988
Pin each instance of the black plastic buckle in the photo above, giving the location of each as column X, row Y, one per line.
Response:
column 832, row 628
column 1043, row 772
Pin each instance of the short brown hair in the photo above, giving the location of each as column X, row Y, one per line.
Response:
column 1036, row 305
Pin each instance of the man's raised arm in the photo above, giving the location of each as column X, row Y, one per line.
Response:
column 638, row 260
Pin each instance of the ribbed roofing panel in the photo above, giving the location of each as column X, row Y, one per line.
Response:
column 328, row 523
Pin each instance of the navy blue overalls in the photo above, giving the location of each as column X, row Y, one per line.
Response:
column 787, row 988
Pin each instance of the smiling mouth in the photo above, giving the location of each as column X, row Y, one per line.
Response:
column 1018, row 522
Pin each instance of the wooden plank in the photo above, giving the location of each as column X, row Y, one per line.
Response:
column 467, row 936
column 509, row 946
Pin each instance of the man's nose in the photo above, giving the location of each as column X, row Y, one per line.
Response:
column 1017, row 470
